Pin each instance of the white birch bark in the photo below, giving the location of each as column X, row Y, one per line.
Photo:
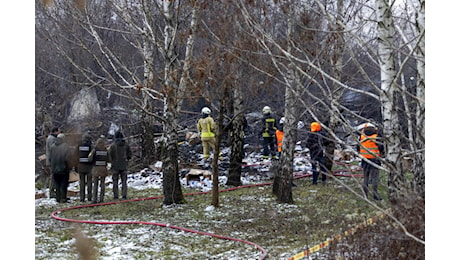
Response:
column 419, row 172
column 388, row 99
column 172, row 103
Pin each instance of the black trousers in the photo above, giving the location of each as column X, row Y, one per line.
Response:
column 317, row 165
column 269, row 146
column 61, row 183
column 86, row 183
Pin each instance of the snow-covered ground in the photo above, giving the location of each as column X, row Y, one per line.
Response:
column 134, row 239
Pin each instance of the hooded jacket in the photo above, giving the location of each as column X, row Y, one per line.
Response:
column 119, row 154
column 49, row 143
column 60, row 157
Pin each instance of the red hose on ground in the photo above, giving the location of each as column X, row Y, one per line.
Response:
column 54, row 215
column 264, row 252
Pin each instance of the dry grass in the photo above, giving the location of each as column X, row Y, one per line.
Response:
column 318, row 213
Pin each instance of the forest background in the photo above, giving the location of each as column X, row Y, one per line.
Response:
column 20, row 70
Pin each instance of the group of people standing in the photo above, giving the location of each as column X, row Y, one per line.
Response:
column 92, row 165
column 273, row 133
column 320, row 146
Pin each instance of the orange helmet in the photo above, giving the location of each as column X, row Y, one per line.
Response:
column 315, row 127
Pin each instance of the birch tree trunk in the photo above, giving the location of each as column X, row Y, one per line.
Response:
column 388, row 99
column 147, row 141
column 338, row 46
column 419, row 158
column 175, row 86
column 282, row 186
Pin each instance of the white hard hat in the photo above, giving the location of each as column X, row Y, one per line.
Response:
column 300, row 125
column 364, row 125
column 266, row 110
column 206, row 110
column 282, row 120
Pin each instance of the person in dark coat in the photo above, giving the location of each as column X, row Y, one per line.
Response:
column 84, row 167
column 119, row 155
column 316, row 143
column 99, row 157
column 60, row 161
column 50, row 140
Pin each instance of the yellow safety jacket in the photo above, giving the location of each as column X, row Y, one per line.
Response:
column 206, row 127
column 270, row 127
column 369, row 148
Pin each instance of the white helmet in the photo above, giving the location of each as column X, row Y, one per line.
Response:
column 206, row 110
column 266, row 110
column 282, row 120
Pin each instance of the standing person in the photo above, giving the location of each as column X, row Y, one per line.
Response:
column 316, row 144
column 49, row 143
column 119, row 155
column 60, row 161
column 99, row 157
column 371, row 149
column 268, row 128
column 84, row 167
column 207, row 127
column 280, row 135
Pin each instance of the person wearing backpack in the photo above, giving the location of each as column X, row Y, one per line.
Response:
column 84, row 167
column 119, row 155
column 60, row 162
column 268, row 127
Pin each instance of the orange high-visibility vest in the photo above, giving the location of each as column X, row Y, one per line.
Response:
column 369, row 148
column 279, row 139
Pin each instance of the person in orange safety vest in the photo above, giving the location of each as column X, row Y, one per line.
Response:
column 279, row 133
column 371, row 149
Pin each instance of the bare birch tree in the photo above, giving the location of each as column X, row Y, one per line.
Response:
column 355, row 41
column 158, row 26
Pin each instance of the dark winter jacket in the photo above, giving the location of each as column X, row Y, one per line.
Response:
column 99, row 158
column 49, row 143
column 316, row 143
column 83, row 150
column 60, row 157
column 119, row 154
column 268, row 125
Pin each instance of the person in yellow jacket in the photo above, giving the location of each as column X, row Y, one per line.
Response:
column 207, row 127
column 371, row 149
column 268, row 126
